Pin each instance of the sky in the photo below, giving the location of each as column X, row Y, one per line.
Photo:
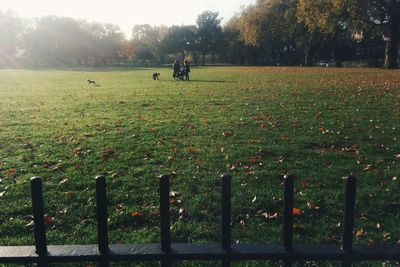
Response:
column 126, row 13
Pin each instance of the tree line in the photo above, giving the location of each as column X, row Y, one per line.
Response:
column 269, row 32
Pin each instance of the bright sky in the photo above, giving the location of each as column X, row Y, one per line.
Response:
column 127, row 13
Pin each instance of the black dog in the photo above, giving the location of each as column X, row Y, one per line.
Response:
column 155, row 75
column 91, row 81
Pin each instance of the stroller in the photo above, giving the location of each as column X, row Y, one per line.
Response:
column 181, row 75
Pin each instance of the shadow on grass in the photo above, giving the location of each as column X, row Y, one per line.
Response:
column 200, row 81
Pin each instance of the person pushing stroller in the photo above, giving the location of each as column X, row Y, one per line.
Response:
column 186, row 69
column 178, row 73
column 176, row 67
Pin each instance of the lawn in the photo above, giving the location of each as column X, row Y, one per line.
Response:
column 255, row 123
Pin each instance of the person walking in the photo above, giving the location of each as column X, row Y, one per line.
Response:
column 176, row 69
column 186, row 69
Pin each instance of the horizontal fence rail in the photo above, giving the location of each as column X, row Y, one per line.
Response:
column 167, row 252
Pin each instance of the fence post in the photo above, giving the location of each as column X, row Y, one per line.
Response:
column 38, row 219
column 226, row 218
column 165, row 219
column 102, row 229
column 288, row 183
column 348, row 220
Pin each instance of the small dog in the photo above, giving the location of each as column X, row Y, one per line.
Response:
column 91, row 81
column 155, row 75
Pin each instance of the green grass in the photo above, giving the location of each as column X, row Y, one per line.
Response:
column 255, row 123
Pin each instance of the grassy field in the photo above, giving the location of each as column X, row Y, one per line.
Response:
column 255, row 123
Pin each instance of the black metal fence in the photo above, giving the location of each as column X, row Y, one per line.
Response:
column 166, row 252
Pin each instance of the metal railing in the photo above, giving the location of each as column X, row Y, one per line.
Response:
column 167, row 252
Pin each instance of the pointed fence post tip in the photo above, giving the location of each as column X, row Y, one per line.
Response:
column 34, row 178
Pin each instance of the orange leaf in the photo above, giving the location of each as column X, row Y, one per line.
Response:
column 253, row 160
column 136, row 214
column 296, row 211
column 191, row 150
column 304, row 184
column 10, row 171
column 49, row 219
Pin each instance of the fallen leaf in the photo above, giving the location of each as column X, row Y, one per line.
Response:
column 369, row 168
column 359, row 233
column 173, row 201
column 312, row 206
column 191, row 150
column 49, row 219
column 351, row 149
column 296, row 211
column 31, row 223
column 364, row 216
column 227, row 133
column 268, row 215
column 136, row 214
column 304, row 184
column 173, row 193
column 10, row 171
column 386, row 236
column 63, row 181
column 254, row 159
column 63, row 212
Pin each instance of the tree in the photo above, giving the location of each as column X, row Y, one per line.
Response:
column 268, row 26
column 53, row 41
column 126, row 51
column 180, row 39
column 57, row 41
column 209, row 32
column 235, row 49
column 356, row 15
column 11, row 29
column 148, row 40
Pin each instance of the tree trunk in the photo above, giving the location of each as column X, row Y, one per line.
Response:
column 204, row 59
column 307, row 57
column 392, row 48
